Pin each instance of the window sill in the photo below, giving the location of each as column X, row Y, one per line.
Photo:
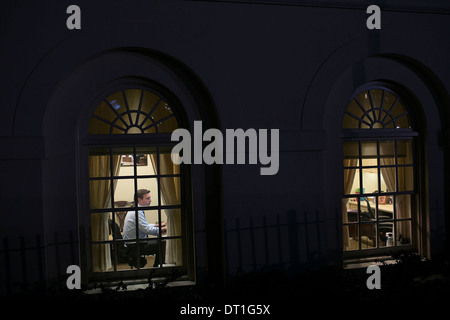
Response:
column 363, row 263
column 131, row 285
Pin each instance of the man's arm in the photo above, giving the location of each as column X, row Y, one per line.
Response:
column 146, row 227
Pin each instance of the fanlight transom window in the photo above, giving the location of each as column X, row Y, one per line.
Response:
column 133, row 111
column 377, row 108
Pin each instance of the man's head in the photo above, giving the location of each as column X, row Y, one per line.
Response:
column 143, row 197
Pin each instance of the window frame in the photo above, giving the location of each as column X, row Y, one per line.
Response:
column 385, row 134
column 134, row 141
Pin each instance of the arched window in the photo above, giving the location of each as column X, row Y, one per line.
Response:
column 137, row 195
column 379, row 191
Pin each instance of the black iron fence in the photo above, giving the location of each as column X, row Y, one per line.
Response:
column 289, row 241
column 23, row 260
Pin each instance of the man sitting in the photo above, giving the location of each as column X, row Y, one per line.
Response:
column 146, row 247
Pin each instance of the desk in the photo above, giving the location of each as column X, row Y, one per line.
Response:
column 353, row 205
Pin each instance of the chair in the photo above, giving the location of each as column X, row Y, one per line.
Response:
column 368, row 229
column 121, row 250
column 121, row 214
column 383, row 227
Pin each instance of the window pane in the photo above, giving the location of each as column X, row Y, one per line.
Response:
column 100, row 220
column 387, row 153
column 386, row 234
column 385, row 208
column 124, row 190
column 389, row 100
column 99, row 191
column 125, row 156
column 174, row 252
column 367, row 210
column 144, row 164
column 377, row 95
column 388, row 179
column 133, row 97
column 147, row 161
column 351, row 242
column 162, row 111
column 127, row 160
column 174, row 247
column 120, row 215
column 129, row 229
column 369, row 153
column 107, row 111
column 364, row 100
column 100, row 163
column 354, row 109
column 403, row 206
column 166, row 164
column 370, row 180
column 149, row 102
column 351, row 211
column 351, row 181
column 368, row 236
column 404, row 232
column 173, row 221
column 170, row 189
column 116, row 103
column 100, row 231
column 144, row 254
column 400, row 115
column 152, row 217
column 351, row 153
column 98, row 263
column 366, row 122
column 406, row 179
column 99, row 166
column 141, row 160
column 168, row 125
column 404, row 150
column 152, row 185
column 148, row 127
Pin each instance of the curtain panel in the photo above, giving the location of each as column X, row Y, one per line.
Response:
column 171, row 195
column 100, row 198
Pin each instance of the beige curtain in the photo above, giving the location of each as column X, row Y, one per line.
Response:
column 170, row 191
column 349, row 176
column 100, row 194
column 402, row 205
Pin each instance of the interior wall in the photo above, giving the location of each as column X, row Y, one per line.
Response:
column 124, row 190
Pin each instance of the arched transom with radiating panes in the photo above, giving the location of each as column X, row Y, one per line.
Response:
column 133, row 111
column 377, row 108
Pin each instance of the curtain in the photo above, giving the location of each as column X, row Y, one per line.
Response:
column 100, row 194
column 170, row 191
column 402, row 205
column 349, row 176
